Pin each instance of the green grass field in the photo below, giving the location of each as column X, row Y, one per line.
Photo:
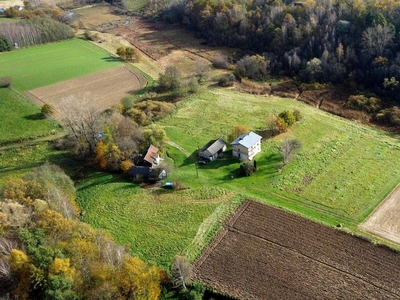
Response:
column 134, row 5
column 21, row 119
column 342, row 172
column 46, row 64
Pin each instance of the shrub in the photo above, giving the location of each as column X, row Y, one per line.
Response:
column 220, row 62
column 47, row 110
column 246, row 169
column 4, row 44
column 280, row 126
column 193, row 85
column 297, row 115
column 361, row 102
column 226, row 80
column 6, row 81
column 288, row 117
column 253, row 67
column 389, row 116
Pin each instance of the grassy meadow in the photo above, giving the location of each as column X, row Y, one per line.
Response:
column 51, row 63
column 342, row 172
column 21, row 119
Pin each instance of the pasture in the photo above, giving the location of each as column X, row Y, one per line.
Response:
column 104, row 88
column 300, row 260
column 21, row 119
column 51, row 63
column 155, row 224
column 343, row 171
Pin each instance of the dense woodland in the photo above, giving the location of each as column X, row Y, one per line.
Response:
column 47, row 253
column 336, row 41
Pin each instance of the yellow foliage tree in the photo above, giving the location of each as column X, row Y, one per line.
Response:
column 238, row 130
column 62, row 267
column 138, row 281
column 55, row 224
column 18, row 259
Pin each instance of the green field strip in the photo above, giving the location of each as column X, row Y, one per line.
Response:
column 51, row 63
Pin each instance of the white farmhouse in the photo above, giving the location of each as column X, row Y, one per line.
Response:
column 246, row 146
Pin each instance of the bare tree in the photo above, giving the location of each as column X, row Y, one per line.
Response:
column 376, row 39
column 180, row 271
column 7, row 245
column 83, row 122
column 287, row 149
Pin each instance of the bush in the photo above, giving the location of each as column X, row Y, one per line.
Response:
column 280, row 126
column 6, row 81
column 220, row 62
column 47, row 110
column 389, row 116
column 361, row 102
column 4, row 44
column 297, row 115
column 253, row 67
column 288, row 117
column 193, row 85
column 246, row 169
column 226, row 80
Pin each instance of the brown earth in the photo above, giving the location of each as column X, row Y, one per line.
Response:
column 105, row 88
column 267, row 253
column 384, row 221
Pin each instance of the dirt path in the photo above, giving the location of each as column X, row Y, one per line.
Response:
column 25, row 143
column 179, row 148
column 384, row 221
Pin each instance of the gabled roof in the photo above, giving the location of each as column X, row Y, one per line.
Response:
column 213, row 146
column 152, row 155
column 247, row 139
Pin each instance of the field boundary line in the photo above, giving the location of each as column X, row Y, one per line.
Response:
column 175, row 145
column 237, row 214
column 311, row 258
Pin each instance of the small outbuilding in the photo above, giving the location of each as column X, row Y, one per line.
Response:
column 212, row 149
column 141, row 173
column 246, row 146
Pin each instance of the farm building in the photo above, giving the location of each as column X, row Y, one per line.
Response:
column 151, row 158
column 1, row 10
column 212, row 149
column 141, row 173
column 246, row 146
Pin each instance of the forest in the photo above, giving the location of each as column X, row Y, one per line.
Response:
column 314, row 41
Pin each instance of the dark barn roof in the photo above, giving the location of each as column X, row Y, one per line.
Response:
column 212, row 147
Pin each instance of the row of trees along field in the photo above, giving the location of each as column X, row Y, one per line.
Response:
column 36, row 27
column 47, row 253
column 335, row 41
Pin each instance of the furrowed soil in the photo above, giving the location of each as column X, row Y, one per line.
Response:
column 384, row 221
column 267, row 253
column 105, row 88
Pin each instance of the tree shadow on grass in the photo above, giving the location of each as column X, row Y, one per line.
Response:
column 34, row 117
column 111, row 59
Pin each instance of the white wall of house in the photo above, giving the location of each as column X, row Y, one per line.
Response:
column 243, row 153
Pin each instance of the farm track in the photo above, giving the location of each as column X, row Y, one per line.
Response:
column 180, row 148
column 266, row 253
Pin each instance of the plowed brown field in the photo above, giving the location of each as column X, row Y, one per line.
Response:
column 267, row 253
column 105, row 88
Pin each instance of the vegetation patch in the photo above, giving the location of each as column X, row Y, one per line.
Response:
column 47, row 64
column 21, row 119
column 156, row 225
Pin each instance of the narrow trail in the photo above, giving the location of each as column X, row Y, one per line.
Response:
column 32, row 142
column 179, row 148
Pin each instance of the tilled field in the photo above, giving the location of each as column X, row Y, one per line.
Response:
column 105, row 88
column 266, row 253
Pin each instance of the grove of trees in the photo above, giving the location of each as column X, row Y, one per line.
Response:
column 338, row 41
column 47, row 253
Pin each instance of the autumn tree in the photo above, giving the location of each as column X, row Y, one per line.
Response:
column 180, row 272
column 237, row 131
column 154, row 134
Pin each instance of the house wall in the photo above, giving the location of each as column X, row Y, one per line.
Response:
column 244, row 153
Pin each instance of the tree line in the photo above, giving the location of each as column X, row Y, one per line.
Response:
column 334, row 41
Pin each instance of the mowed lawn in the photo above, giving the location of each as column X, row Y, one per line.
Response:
column 342, row 172
column 20, row 118
column 47, row 64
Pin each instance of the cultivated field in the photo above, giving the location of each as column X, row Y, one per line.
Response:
column 266, row 253
column 21, row 119
column 51, row 63
column 384, row 221
column 105, row 88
